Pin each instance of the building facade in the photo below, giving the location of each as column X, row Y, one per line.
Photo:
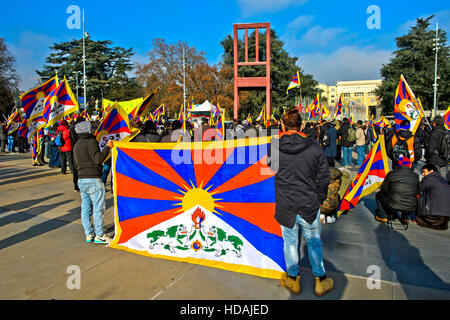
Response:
column 359, row 92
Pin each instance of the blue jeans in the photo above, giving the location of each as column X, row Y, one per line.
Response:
column 92, row 193
column 361, row 151
column 347, row 156
column 311, row 232
column 10, row 144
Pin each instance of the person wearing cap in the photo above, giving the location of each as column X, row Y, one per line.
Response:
column 398, row 192
column 88, row 161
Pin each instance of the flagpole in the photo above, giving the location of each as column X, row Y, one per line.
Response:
column 84, row 64
column 184, row 87
column 436, row 48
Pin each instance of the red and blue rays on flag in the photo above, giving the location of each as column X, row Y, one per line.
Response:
column 339, row 106
column 315, row 108
column 369, row 177
column 406, row 107
column 447, row 118
column 115, row 126
column 161, row 192
column 221, row 128
column 32, row 101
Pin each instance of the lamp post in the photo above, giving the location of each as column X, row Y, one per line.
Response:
column 435, row 85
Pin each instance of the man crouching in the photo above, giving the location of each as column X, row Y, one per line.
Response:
column 301, row 184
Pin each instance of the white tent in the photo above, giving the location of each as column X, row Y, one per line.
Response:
column 204, row 107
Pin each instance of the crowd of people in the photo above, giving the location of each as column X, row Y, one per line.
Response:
column 308, row 150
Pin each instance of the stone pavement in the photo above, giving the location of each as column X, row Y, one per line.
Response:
column 41, row 237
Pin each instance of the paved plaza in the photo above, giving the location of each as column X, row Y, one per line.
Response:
column 41, row 239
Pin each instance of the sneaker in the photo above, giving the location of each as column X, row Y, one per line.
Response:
column 289, row 283
column 90, row 238
column 103, row 239
column 322, row 219
column 330, row 219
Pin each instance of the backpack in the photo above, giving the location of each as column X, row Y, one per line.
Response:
column 59, row 141
column 351, row 134
column 444, row 150
column 399, row 150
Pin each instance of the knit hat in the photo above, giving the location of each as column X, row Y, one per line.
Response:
column 83, row 127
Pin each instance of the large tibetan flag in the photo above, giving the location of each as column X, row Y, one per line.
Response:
column 61, row 103
column 370, row 176
column 209, row 203
column 115, row 126
column 33, row 100
column 447, row 118
column 295, row 82
column 406, row 106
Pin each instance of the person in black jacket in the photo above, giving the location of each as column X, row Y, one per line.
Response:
column 346, row 145
column 433, row 146
column 434, row 200
column 398, row 193
column 301, row 186
column 88, row 161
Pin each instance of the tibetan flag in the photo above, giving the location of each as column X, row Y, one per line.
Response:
column 325, row 113
column 370, row 176
column 315, row 108
column 261, row 114
column 180, row 116
column 144, row 106
column 447, row 118
column 221, row 128
column 350, row 119
column 62, row 104
column 85, row 115
column 33, row 126
column 211, row 117
column 406, row 106
column 249, row 119
column 209, row 204
column 159, row 112
column 23, row 129
column 295, row 82
column 340, row 106
column 115, row 126
column 33, row 100
column 13, row 123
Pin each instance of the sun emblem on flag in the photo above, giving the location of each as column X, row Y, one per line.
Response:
column 193, row 196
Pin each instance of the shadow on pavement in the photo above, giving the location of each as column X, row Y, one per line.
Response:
column 27, row 203
column 24, row 216
column 405, row 260
column 41, row 228
column 42, row 175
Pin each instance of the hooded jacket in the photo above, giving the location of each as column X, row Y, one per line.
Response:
column 87, row 156
column 66, row 136
column 302, row 177
column 404, row 135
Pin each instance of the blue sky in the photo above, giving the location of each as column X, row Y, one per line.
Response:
column 330, row 37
